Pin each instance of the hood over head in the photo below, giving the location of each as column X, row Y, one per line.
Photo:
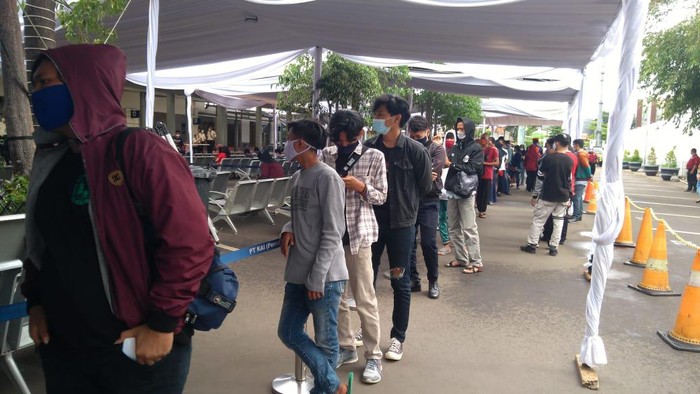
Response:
column 95, row 76
column 469, row 128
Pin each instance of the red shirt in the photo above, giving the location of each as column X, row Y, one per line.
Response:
column 532, row 157
column 592, row 157
column 694, row 161
column 490, row 155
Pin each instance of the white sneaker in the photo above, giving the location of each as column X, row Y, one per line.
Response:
column 395, row 351
column 373, row 372
column 358, row 339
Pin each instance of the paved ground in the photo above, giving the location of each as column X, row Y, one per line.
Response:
column 513, row 328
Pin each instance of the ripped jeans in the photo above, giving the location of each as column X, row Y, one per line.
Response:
column 399, row 244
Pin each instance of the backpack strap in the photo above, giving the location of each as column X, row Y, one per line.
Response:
column 148, row 230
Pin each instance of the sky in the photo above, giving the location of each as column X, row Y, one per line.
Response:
column 592, row 85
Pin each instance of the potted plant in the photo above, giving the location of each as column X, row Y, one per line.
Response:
column 635, row 161
column 626, row 160
column 670, row 168
column 650, row 168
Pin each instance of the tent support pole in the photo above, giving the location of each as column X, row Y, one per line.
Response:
column 318, row 59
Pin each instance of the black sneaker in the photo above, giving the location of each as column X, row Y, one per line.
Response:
column 527, row 248
column 433, row 290
column 574, row 220
column 415, row 286
column 553, row 251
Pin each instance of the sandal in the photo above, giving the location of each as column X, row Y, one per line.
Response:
column 482, row 214
column 473, row 269
column 455, row 264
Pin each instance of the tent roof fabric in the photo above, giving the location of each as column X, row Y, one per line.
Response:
column 562, row 33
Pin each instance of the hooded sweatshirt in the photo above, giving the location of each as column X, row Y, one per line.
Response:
column 466, row 155
column 139, row 289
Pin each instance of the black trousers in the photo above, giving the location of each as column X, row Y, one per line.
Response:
column 692, row 181
column 427, row 222
column 110, row 371
column 482, row 194
column 549, row 227
column 531, row 179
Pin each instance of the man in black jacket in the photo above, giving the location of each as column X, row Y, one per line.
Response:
column 428, row 209
column 551, row 195
column 467, row 158
column 409, row 178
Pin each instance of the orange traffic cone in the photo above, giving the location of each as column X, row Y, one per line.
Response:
column 589, row 191
column 593, row 202
column 644, row 240
column 625, row 237
column 686, row 333
column 655, row 277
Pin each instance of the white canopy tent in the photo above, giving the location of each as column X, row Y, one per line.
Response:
column 498, row 112
column 555, row 36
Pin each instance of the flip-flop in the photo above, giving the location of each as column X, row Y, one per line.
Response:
column 473, row 269
column 455, row 264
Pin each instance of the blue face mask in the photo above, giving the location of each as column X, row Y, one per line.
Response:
column 379, row 126
column 53, row 106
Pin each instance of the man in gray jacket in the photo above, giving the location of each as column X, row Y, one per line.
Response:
column 312, row 243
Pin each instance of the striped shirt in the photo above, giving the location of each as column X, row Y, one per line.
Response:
column 359, row 216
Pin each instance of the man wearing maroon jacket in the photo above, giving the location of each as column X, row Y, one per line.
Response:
column 91, row 281
column 692, row 167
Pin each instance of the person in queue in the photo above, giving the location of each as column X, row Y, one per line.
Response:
column 316, row 272
column 91, row 282
column 409, row 178
column 364, row 173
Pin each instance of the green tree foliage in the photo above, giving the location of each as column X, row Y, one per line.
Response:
column 297, row 81
column 83, row 20
column 671, row 67
column 635, row 157
column 343, row 84
column 593, row 126
column 442, row 109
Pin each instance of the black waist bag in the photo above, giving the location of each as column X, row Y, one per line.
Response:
column 218, row 290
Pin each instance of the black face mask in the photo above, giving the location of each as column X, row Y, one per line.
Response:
column 422, row 140
column 347, row 150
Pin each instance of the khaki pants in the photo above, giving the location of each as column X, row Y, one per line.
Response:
column 362, row 286
column 461, row 219
column 542, row 211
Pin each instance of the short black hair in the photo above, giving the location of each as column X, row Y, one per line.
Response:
column 578, row 142
column 344, row 120
column 501, row 138
column 693, row 151
column 563, row 139
column 550, row 142
column 395, row 105
column 310, row 131
column 417, row 123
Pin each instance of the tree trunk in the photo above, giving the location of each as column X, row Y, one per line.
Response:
column 17, row 111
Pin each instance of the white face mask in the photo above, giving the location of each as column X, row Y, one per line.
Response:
column 461, row 136
column 290, row 153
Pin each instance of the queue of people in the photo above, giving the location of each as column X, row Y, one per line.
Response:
column 350, row 203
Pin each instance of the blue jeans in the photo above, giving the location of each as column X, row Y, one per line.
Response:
column 320, row 355
column 578, row 200
column 427, row 222
column 398, row 243
column 108, row 370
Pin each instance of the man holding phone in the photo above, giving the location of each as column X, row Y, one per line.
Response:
column 364, row 173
